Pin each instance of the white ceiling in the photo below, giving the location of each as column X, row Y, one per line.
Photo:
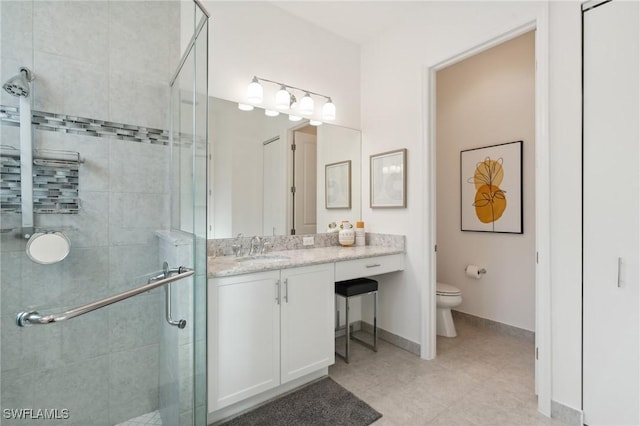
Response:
column 357, row 21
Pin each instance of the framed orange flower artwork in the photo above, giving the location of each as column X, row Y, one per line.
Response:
column 491, row 188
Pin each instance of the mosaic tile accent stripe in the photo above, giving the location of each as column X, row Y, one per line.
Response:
column 9, row 184
column 86, row 126
column 55, row 187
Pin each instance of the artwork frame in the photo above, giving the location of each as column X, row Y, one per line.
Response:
column 491, row 191
column 388, row 179
column 337, row 185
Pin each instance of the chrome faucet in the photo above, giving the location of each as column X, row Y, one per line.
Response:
column 266, row 245
column 237, row 246
column 256, row 242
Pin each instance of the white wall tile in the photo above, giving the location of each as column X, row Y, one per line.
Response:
column 139, row 40
column 130, row 264
column 85, row 35
column 138, row 101
column 16, row 42
column 137, row 167
column 85, row 275
column 72, row 87
column 80, row 387
column 135, row 322
column 133, row 383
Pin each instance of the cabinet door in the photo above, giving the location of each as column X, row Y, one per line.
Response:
column 244, row 337
column 307, row 316
column 611, row 215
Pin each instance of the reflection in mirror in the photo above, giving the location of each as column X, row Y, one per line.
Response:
column 254, row 168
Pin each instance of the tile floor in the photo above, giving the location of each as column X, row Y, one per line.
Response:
column 481, row 377
column 152, row 418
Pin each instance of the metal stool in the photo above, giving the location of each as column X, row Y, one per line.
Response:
column 349, row 289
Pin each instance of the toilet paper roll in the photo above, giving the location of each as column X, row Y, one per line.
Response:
column 474, row 271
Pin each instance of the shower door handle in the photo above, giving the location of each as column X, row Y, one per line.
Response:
column 166, row 272
column 35, row 318
column 180, row 323
column 620, row 281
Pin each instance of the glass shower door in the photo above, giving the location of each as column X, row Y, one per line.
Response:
column 189, row 115
column 101, row 93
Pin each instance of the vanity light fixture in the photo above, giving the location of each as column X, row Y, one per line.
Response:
column 329, row 111
column 293, row 102
column 271, row 113
column 294, row 117
column 245, row 107
column 306, row 104
column 254, row 92
column 285, row 99
column 315, row 122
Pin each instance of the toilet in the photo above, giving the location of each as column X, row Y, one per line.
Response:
column 447, row 297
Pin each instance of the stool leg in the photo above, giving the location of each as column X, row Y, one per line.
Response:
column 335, row 303
column 348, row 330
column 375, row 321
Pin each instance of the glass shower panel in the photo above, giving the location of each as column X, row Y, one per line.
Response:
column 105, row 98
column 200, row 186
column 189, row 155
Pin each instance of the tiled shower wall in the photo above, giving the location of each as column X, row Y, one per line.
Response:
column 111, row 61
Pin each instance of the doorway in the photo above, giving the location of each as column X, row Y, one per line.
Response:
column 539, row 221
column 302, row 178
column 484, row 117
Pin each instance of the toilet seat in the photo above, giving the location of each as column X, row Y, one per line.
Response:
column 443, row 289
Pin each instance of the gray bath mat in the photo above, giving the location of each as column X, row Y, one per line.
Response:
column 321, row 403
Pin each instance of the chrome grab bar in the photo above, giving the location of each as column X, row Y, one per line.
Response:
column 34, row 317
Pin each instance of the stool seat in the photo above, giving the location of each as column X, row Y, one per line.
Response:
column 349, row 289
column 356, row 287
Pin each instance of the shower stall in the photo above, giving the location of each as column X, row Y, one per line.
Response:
column 103, row 153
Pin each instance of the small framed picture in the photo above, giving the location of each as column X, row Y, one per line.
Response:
column 388, row 179
column 337, row 181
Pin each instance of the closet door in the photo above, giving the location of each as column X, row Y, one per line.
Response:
column 611, row 215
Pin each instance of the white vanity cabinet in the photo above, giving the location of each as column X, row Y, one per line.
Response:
column 307, row 320
column 376, row 265
column 268, row 328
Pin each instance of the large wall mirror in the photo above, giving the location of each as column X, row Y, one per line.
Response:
column 261, row 186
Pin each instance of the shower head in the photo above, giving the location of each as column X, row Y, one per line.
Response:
column 18, row 85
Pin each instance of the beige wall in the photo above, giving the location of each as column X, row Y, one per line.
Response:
column 485, row 100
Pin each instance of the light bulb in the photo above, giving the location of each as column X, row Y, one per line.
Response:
column 254, row 92
column 329, row 111
column 315, row 122
column 294, row 117
column 245, row 107
column 282, row 98
column 306, row 104
column 271, row 113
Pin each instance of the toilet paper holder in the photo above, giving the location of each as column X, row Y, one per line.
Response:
column 480, row 271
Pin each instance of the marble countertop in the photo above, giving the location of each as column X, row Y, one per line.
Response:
column 222, row 266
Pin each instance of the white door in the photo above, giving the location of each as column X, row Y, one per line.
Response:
column 307, row 316
column 611, row 215
column 273, row 188
column 244, row 337
column 305, row 168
